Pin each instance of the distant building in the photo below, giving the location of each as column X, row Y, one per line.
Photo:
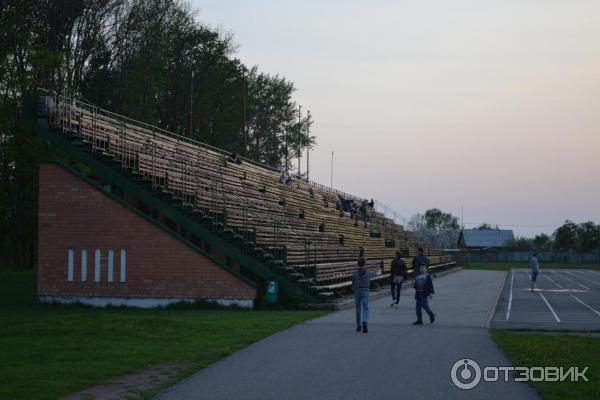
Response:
column 475, row 239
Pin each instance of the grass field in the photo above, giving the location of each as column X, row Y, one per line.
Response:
column 50, row 350
column 530, row 349
column 507, row 266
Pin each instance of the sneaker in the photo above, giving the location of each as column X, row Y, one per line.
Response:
column 393, row 304
column 358, row 329
column 418, row 323
column 365, row 329
column 432, row 318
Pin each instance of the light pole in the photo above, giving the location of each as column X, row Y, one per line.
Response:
column 331, row 172
column 299, row 141
column 244, row 107
column 191, row 101
column 287, row 127
column 307, row 146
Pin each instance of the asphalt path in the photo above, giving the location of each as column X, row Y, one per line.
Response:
column 326, row 358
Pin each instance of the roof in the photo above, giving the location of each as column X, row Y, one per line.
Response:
column 486, row 237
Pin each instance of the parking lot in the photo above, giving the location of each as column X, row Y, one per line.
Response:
column 564, row 299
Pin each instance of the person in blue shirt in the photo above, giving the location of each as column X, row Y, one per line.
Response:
column 535, row 270
column 361, row 279
column 423, row 292
column 418, row 260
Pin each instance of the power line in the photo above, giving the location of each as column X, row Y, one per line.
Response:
column 514, row 225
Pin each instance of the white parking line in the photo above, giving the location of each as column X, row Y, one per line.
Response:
column 586, row 277
column 553, row 281
column 571, row 280
column 546, row 301
column 579, row 300
column 550, row 307
column 512, row 278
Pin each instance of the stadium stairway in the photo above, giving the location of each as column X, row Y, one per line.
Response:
column 270, row 231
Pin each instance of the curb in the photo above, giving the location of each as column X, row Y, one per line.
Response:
column 490, row 317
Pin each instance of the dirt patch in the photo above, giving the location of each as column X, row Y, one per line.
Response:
column 132, row 386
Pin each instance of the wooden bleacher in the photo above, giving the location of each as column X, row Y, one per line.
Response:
column 286, row 222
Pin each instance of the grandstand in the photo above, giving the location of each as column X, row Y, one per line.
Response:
column 263, row 229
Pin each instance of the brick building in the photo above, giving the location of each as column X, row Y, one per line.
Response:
column 96, row 248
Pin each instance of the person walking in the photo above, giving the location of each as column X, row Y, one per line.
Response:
column 360, row 284
column 423, row 292
column 398, row 274
column 535, row 270
column 419, row 260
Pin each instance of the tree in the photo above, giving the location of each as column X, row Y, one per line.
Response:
column 583, row 237
column 588, row 236
column 520, row 244
column 134, row 57
column 440, row 221
column 565, row 237
column 486, row 227
column 542, row 242
column 437, row 227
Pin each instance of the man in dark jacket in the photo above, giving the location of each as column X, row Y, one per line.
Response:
column 423, row 291
column 360, row 284
column 419, row 260
column 398, row 274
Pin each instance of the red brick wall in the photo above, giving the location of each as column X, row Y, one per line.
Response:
column 75, row 215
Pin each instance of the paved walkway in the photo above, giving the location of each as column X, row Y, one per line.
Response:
column 326, row 359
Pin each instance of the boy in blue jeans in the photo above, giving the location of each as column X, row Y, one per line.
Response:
column 423, row 291
column 360, row 284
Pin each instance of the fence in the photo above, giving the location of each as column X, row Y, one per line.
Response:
column 524, row 257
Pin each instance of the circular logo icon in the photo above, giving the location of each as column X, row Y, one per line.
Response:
column 465, row 374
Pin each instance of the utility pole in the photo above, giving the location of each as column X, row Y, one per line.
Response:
column 191, row 102
column 462, row 217
column 331, row 172
column 300, row 141
column 307, row 146
column 244, row 106
column 287, row 127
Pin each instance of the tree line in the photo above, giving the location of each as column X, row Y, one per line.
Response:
column 151, row 60
column 442, row 230
column 583, row 237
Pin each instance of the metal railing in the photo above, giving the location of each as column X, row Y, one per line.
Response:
column 391, row 213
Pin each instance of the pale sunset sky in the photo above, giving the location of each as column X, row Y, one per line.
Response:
column 489, row 105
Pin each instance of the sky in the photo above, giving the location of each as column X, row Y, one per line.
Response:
column 487, row 109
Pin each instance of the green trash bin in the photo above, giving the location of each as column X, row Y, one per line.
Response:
column 272, row 291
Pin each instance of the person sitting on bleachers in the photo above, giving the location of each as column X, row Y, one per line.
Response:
column 339, row 202
column 347, row 205
column 234, row 158
column 282, row 179
column 363, row 213
column 372, row 203
column 289, row 182
column 353, row 210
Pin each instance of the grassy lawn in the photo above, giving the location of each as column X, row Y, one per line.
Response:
column 49, row 350
column 564, row 350
column 507, row 266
